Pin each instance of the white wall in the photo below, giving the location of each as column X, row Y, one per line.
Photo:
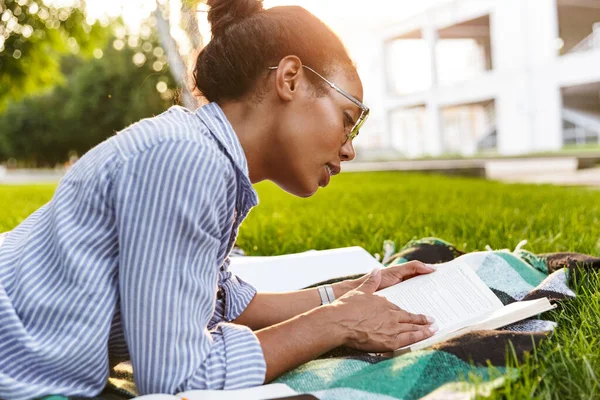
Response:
column 526, row 77
column 528, row 102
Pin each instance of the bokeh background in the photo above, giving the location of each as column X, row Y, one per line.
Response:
column 463, row 93
column 461, row 79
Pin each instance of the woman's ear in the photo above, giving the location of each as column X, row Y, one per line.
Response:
column 287, row 77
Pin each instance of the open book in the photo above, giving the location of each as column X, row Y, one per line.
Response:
column 454, row 295
column 459, row 301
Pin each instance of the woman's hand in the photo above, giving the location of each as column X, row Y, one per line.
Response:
column 358, row 319
column 371, row 323
column 390, row 276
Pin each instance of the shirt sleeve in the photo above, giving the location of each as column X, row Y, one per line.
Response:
column 235, row 295
column 171, row 211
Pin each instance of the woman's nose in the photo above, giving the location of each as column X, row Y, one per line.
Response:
column 347, row 152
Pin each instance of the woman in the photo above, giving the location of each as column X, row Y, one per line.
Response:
column 128, row 261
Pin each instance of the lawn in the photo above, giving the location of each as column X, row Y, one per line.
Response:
column 365, row 209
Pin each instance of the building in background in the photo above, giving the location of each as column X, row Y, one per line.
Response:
column 502, row 76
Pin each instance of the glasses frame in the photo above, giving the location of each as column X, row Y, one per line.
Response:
column 364, row 109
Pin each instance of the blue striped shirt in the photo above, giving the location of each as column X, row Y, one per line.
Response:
column 126, row 262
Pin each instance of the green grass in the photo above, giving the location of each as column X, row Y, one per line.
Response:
column 365, row 209
column 568, row 365
column 17, row 202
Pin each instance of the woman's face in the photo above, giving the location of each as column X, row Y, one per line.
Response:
column 312, row 132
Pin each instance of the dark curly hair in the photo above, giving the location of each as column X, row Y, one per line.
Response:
column 247, row 39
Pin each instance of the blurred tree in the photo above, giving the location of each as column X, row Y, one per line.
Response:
column 33, row 36
column 25, row 129
column 125, row 81
column 181, row 56
column 107, row 95
column 190, row 16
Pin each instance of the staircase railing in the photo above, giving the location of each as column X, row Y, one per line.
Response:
column 592, row 41
column 586, row 126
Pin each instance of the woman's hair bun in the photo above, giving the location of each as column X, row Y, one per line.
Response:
column 224, row 13
column 247, row 39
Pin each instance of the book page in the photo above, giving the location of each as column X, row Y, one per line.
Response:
column 514, row 312
column 454, row 295
column 506, row 315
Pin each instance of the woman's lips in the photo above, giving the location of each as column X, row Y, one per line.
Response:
column 325, row 181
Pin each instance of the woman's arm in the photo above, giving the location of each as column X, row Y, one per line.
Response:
column 268, row 309
column 167, row 274
column 170, row 208
column 358, row 319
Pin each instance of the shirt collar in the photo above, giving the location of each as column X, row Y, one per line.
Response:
column 215, row 120
column 218, row 124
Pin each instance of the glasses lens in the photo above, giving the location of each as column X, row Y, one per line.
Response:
column 358, row 125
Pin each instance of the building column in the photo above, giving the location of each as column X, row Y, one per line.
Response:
column 528, row 105
column 434, row 131
column 374, row 74
column 545, row 89
column 386, row 91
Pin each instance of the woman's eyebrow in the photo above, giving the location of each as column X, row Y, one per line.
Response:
column 356, row 97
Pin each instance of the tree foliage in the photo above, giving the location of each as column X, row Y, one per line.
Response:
column 97, row 98
column 33, row 37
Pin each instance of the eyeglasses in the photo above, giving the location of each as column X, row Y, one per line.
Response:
column 364, row 109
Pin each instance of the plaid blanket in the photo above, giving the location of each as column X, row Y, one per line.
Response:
column 444, row 370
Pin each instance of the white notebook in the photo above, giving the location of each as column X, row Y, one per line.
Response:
column 270, row 391
column 296, row 271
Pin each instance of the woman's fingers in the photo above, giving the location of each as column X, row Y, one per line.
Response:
column 411, row 269
column 410, row 318
column 375, row 323
column 399, row 273
column 416, row 327
column 410, row 337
